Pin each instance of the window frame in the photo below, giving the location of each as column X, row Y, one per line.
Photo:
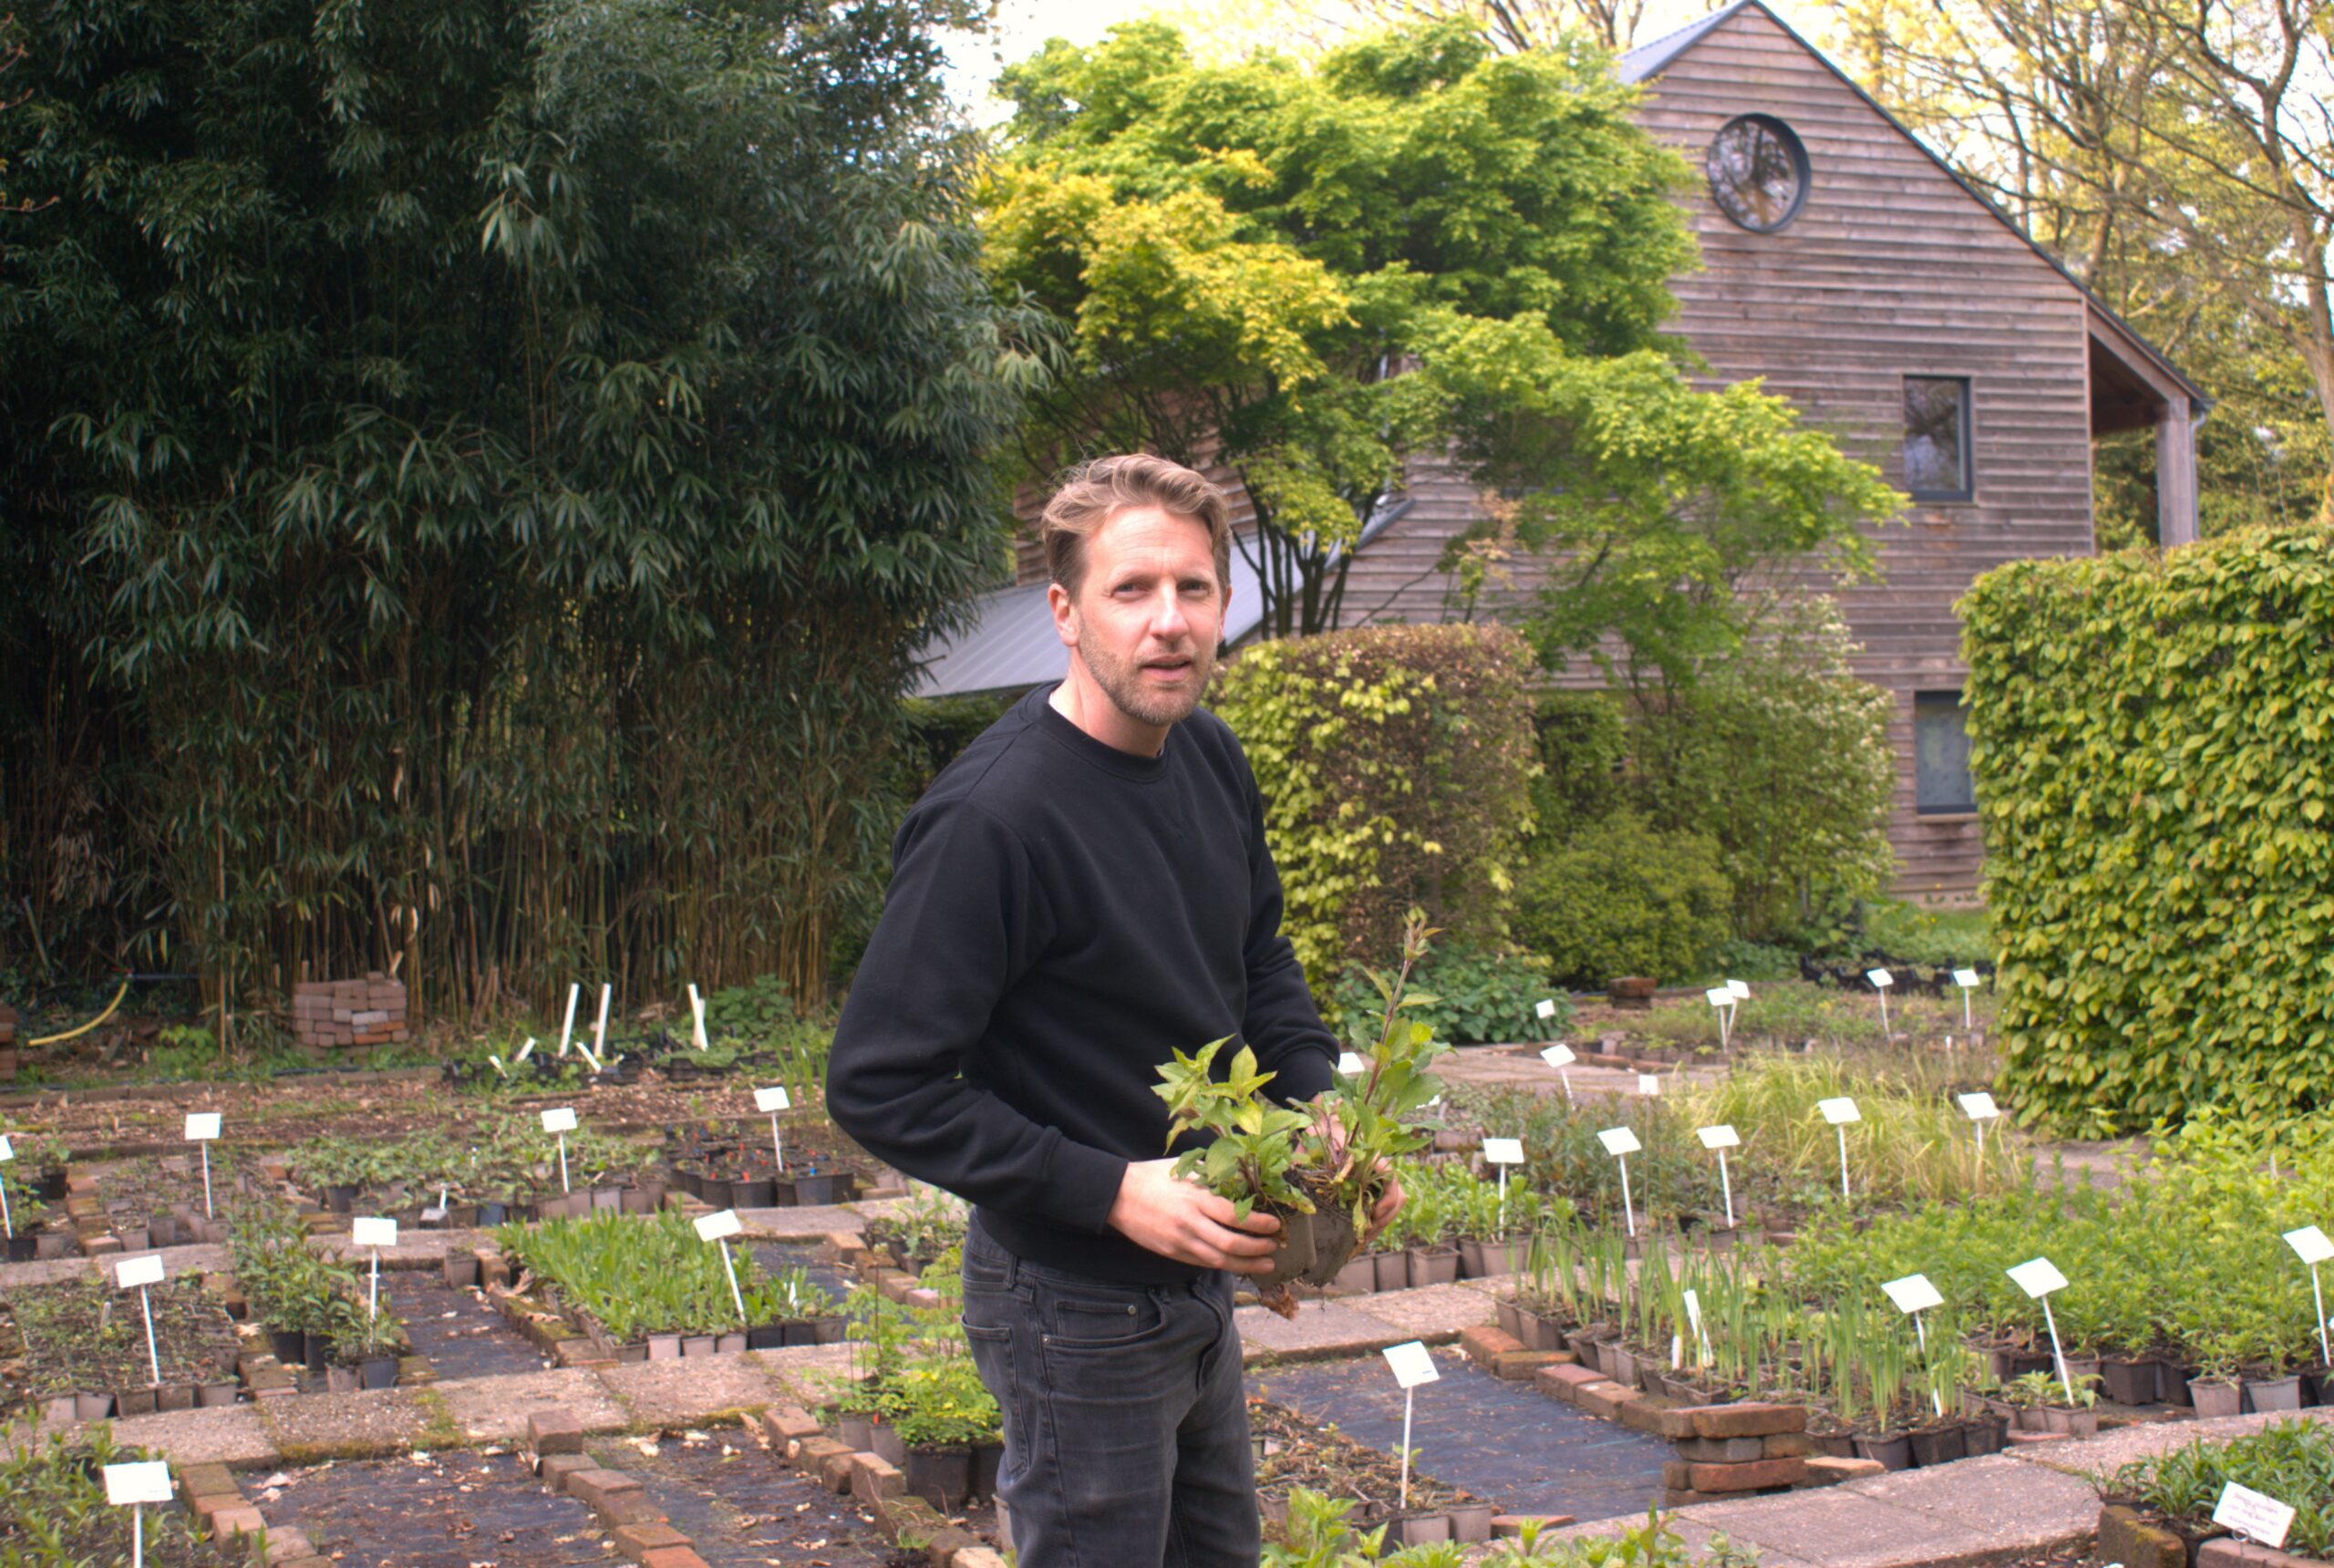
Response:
column 1793, row 146
column 1968, row 421
column 1960, row 707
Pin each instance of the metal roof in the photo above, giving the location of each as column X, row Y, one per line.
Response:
column 1649, row 57
column 1012, row 645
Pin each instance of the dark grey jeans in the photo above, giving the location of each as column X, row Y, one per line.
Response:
column 1126, row 1426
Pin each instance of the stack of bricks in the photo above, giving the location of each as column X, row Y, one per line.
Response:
column 8, row 1024
column 368, row 1012
column 1737, row 1449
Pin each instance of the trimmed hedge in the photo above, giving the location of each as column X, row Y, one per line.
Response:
column 1625, row 898
column 2154, row 740
column 1395, row 764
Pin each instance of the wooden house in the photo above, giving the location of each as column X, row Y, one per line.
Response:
column 1849, row 267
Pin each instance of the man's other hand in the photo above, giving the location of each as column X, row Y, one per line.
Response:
column 1390, row 1203
column 1184, row 1220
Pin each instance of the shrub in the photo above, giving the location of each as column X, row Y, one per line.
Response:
column 1395, row 765
column 1623, row 898
column 1480, row 998
column 1584, row 748
column 2153, row 771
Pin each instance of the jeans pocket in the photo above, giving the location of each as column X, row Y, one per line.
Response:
column 1097, row 1322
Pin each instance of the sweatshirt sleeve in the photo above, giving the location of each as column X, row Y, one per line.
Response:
column 963, row 921
column 1282, row 1025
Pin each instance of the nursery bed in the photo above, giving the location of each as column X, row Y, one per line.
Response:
column 1500, row 1440
column 739, row 1509
column 454, row 1510
column 459, row 1332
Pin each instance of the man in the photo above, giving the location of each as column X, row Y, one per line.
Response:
column 1085, row 890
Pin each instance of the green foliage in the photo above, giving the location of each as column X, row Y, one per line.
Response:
column 1584, row 744
column 2151, row 752
column 476, row 485
column 1394, row 764
column 1933, row 938
column 1251, row 1149
column 2292, row 1461
column 292, row 1287
column 58, row 1516
column 1238, row 277
column 1478, row 998
column 1623, row 898
column 638, row 1274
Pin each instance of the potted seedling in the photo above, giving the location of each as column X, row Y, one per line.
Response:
column 1319, row 1170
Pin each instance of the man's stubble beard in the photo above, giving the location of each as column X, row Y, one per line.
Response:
column 1121, row 682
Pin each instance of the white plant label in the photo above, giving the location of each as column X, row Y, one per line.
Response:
column 567, row 1025
column 202, row 1126
column 1619, row 1141
column 526, row 1050
column 1717, row 996
column 1881, row 979
column 560, row 1121
column 2310, row 1243
column 2038, row 1277
column 2256, row 1516
column 1722, row 1135
column 146, row 1268
column 1350, row 1064
column 600, row 1024
column 1649, row 1083
column 1412, row 1364
column 696, row 1019
column 373, row 1232
column 713, row 1227
column 1694, row 1311
column 1504, row 1150
column 145, row 1482
column 1738, row 990
column 6, row 1153
column 767, row 1100
column 1839, row 1112
column 1966, row 979
column 1980, row 1107
column 1914, row 1293
column 1558, row 1057
column 497, row 1060
column 1548, row 1007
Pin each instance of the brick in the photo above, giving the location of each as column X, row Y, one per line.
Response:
column 206, row 1480
column 789, row 1423
column 944, row 1543
column 630, row 1507
column 1564, row 1382
column 1605, row 1399
column 1661, row 1420
column 2027, row 1439
column 241, row 1519
column 1484, row 1343
column 1520, row 1366
column 555, row 1432
column 2225, row 1552
column 978, row 1557
column 1505, row 1525
column 633, row 1540
column 672, row 1557
column 556, row 1467
column 2125, row 1538
column 1823, row 1470
column 595, row 1487
column 1748, row 1419
column 1724, row 1451
column 287, row 1543
column 834, row 1469
column 813, row 1453
column 1788, row 1445
column 1752, row 1477
column 872, row 1479
column 203, row 1504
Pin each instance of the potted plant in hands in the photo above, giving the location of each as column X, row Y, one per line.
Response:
column 1320, row 1170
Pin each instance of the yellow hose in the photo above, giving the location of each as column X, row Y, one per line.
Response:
column 101, row 1018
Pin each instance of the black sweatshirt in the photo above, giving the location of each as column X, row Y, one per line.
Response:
column 1062, row 915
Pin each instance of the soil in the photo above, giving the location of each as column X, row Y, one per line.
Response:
column 433, row 1511
column 1300, row 1451
column 723, row 1491
column 459, row 1332
column 84, row 1337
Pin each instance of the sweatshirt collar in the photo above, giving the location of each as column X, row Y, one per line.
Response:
column 1100, row 753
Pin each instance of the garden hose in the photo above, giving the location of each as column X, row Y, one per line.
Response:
column 101, row 1018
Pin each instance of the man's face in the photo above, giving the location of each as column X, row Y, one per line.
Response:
column 1148, row 613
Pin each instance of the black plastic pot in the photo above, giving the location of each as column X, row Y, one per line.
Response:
column 1985, row 1435
column 748, row 1192
column 808, row 1191
column 1940, row 1445
column 377, row 1372
column 2128, row 1382
column 316, row 1351
column 941, row 1475
column 1894, row 1452
column 341, row 1200
column 986, row 1458
column 24, row 1248
column 288, row 1345
column 492, row 1214
column 769, row 1336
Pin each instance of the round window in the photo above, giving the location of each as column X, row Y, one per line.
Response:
column 1758, row 173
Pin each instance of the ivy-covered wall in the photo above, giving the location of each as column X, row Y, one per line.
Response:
column 1395, row 764
column 2153, row 739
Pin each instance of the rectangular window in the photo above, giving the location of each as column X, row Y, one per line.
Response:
column 1936, row 438
column 1940, row 755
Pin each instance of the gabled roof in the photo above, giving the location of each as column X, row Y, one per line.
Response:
column 1647, row 60
column 1012, row 645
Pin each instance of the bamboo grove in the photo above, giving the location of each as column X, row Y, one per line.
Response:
column 440, row 437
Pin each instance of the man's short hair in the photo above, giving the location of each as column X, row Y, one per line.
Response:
column 1095, row 491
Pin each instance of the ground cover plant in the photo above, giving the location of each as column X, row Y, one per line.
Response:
column 625, row 1277
column 2292, row 1461
column 513, row 1161
column 84, row 1337
column 56, row 1515
column 314, row 1308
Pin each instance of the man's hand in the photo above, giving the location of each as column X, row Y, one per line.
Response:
column 1184, row 1220
column 1390, row 1203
